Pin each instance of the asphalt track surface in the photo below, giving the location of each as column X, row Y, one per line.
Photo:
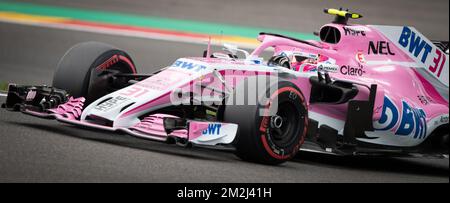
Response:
column 34, row 150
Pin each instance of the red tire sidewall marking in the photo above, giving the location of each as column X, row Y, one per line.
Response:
column 263, row 125
column 128, row 61
column 115, row 59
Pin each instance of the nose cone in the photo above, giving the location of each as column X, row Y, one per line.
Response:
column 107, row 110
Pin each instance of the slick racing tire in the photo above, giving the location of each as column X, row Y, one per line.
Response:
column 269, row 133
column 82, row 69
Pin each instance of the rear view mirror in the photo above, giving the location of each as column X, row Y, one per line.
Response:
column 234, row 49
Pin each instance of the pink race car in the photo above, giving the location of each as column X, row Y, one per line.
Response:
column 360, row 90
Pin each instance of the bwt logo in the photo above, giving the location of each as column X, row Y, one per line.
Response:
column 410, row 121
column 188, row 65
column 415, row 44
column 213, row 129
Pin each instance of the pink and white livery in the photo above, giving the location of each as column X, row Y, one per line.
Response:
column 360, row 90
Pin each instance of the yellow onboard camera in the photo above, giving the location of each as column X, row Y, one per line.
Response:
column 341, row 15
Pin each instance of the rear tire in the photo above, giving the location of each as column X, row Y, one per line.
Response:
column 79, row 71
column 270, row 138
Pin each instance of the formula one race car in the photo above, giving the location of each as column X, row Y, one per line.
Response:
column 360, row 90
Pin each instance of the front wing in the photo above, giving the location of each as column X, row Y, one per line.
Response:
column 51, row 103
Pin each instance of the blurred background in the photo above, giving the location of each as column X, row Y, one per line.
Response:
column 430, row 17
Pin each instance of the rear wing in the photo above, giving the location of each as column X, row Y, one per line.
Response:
column 443, row 45
column 431, row 58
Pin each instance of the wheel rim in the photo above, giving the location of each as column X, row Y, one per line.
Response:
column 100, row 83
column 284, row 125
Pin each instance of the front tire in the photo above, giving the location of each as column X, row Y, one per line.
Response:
column 81, row 70
column 274, row 135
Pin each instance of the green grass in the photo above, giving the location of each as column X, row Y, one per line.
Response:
column 3, row 86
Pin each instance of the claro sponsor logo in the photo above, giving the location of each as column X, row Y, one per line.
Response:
column 353, row 71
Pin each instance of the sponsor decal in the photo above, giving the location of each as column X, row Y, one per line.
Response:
column 264, row 124
column 328, row 67
column 354, row 31
column 439, row 59
column 407, row 121
column 425, row 100
column 188, row 65
column 360, row 57
column 302, row 54
column 378, row 109
column 415, row 44
column 134, row 91
column 444, row 119
column 30, row 95
column 422, row 50
column 108, row 63
column 213, row 129
column 354, row 71
column 111, row 103
column 380, row 48
column 292, row 95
